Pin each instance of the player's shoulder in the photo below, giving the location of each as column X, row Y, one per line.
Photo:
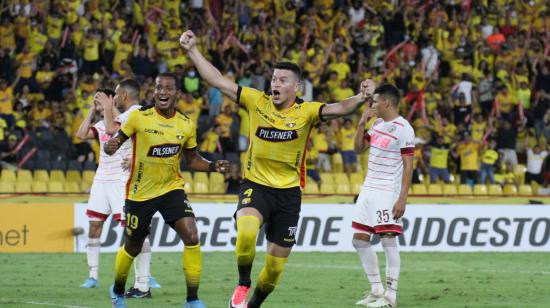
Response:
column 402, row 123
column 146, row 111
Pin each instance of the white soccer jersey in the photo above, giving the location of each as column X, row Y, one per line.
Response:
column 388, row 142
column 110, row 166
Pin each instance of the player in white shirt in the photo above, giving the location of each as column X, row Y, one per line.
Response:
column 381, row 202
column 107, row 193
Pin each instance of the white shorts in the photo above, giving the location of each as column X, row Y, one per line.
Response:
column 106, row 198
column 373, row 213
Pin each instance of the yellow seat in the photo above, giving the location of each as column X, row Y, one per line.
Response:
column 23, row 187
column 534, row 187
column 201, row 177
column 57, row 176
column 311, row 188
column 24, row 176
column 85, row 186
column 435, row 189
column 88, row 176
column 480, row 190
column 188, row 187
column 525, row 190
column 7, row 187
column 74, row 176
column 217, row 187
column 465, row 190
column 8, row 176
column 343, row 188
column 39, row 187
column 495, row 190
column 356, row 188
column 450, row 189
column 337, row 162
column 419, row 189
column 356, row 178
column 56, row 187
column 72, row 187
column 187, row 177
column 41, row 176
column 216, row 177
column 510, row 190
column 519, row 173
column 327, row 188
column 341, row 178
column 200, row 188
column 327, row 178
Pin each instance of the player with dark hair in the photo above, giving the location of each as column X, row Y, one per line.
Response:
column 274, row 166
column 160, row 137
column 381, row 202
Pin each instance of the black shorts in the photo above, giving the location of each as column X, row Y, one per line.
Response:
column 280, row 209
column 173, row 205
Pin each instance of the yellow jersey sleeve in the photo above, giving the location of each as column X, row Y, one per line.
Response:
column 129, row 127
column 191, row 141
column 248, row 97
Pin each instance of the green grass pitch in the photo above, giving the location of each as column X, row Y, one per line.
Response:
column 309, row 280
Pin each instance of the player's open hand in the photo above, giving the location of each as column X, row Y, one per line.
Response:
column 188, row 40
column 126, row 162
column 399, row 208
column 367, row 88
column 222, row 166
column 112, row 146
column 104, row 100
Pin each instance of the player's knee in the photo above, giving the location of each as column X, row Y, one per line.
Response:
column 365, row 237
column 191, row 239
column 133, row 248
column 357, row 243
column 247, row 230
column 274, row 266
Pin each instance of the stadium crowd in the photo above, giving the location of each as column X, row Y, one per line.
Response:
column 474, row 75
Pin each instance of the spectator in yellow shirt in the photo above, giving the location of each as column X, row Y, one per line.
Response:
column 468, row 151
column 439, row 158
column 488, row 159
column 347, row 141
column 7, row 101
column 505, row 103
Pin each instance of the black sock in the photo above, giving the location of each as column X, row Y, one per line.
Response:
column 244, row 275
column 257, row 298
column 192, row 294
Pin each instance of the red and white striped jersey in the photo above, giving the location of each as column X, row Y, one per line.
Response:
column 110, row 166
column 388, row 142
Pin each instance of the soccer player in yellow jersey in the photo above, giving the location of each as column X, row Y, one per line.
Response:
column 274, row 166
column 160, row 136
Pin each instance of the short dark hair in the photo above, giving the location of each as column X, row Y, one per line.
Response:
column 389, row 92
column 291, row 67
column 107, row 91
column 170, row 75
column 132, row 87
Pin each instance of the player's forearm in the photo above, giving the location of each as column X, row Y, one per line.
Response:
column 343, row 108
column 360, row 144
column 110, row 125
column 207, row 71
column 406, row 179
column 84, row 129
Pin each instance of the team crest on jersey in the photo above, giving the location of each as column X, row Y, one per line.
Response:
column 392, row 129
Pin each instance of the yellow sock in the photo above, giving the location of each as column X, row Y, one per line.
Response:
column 192, row 267
column 271, row 272
column 123, row 263
column 247, row 231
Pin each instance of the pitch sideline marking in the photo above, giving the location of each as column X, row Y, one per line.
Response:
column 50, row 304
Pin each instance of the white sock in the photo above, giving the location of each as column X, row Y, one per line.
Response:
column 92, row 255
column 369, row 259
column 142, row 265
column 393, row 265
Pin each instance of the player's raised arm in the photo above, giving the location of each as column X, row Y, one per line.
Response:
column 207, row 71
column 85, row 132
column 362, row 138
column 109, row 112
column 351, row 104
column 198, row 163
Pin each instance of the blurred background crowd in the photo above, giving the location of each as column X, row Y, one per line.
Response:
column 474, row 76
